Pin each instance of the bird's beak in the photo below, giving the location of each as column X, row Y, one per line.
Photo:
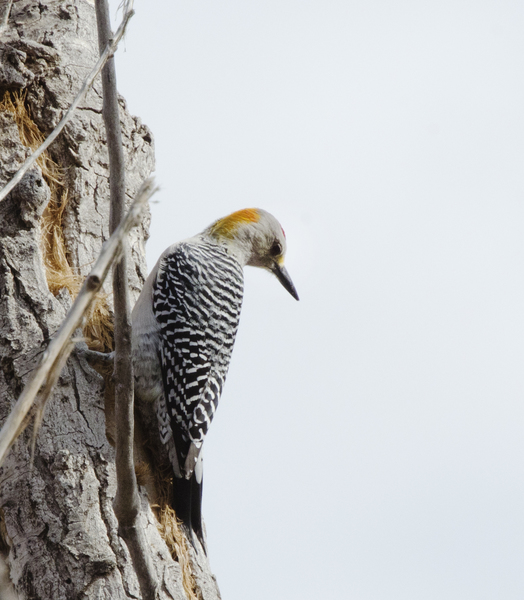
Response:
column 284, row 278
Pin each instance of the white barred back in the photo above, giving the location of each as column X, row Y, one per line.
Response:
column 197, row 297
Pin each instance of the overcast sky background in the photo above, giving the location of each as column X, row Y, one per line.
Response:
column 369, row 441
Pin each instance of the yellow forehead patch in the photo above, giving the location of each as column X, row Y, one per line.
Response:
column 227, row 226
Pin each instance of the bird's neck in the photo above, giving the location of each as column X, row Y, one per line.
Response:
column 240, row 248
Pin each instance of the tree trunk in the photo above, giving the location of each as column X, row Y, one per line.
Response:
column 58, row 533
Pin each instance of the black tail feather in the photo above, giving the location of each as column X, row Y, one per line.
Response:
column 196, row 509
column 187, row 503
column 181, row 500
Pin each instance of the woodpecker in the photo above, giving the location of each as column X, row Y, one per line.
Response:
column 184, row 327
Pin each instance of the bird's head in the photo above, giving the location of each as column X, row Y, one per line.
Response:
column 257, row 239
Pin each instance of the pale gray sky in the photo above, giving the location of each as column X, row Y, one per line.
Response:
column 369, row 442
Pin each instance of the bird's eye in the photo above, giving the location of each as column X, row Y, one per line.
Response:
column 276, row 249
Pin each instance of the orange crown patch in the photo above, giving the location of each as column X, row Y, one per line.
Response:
column 227, row 226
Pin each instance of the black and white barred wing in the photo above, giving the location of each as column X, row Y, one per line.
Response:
column 196, row 300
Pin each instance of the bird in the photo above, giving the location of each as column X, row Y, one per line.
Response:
column 184, row 325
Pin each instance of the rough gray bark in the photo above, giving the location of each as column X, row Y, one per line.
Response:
column 58, row 531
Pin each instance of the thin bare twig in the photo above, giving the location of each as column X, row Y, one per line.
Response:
column 45, row 392
column 93, row 282
column 127, row 500
column 88, row 82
